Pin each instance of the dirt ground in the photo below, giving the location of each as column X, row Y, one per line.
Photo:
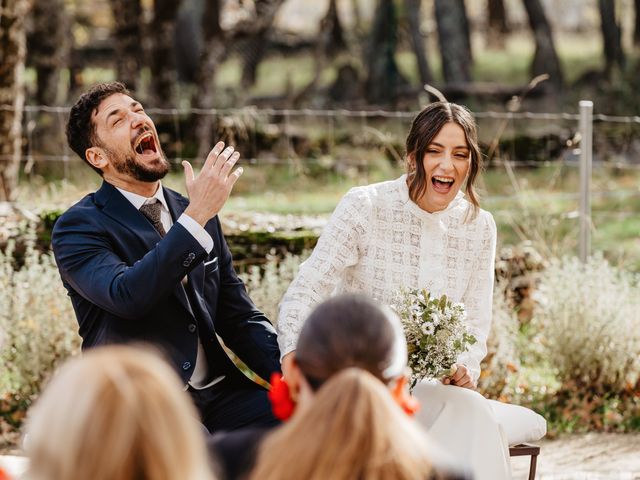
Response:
column 592, row 456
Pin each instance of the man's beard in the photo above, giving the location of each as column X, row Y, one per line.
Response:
column 129, row 166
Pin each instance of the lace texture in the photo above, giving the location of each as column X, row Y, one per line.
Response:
column 377, row 240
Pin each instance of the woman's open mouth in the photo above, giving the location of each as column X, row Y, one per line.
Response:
column 442, row 184
column 146, row 144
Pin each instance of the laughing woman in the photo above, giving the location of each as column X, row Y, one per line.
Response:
column 418, row 231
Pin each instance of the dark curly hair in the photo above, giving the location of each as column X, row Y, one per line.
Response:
column 81, row 131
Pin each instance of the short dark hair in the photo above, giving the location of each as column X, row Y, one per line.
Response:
column 81, row 131
column 424, row 129
column 348, row 330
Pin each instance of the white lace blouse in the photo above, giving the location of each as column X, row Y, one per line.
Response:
column 378, row 240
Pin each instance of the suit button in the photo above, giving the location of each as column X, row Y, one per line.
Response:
column 192, row 327
column 186, row 365
column 186, row 263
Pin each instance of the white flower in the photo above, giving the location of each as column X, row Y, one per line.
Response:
column 428, row 328
column 432, row 326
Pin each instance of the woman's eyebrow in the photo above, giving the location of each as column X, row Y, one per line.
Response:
column 436, row 144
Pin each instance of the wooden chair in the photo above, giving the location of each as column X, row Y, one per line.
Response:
column 525, row 449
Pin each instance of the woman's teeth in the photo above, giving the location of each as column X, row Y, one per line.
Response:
column 444, row 180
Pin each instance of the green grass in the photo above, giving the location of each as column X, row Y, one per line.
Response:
column 540, row 206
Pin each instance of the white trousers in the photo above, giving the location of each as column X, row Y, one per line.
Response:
column 463, row 423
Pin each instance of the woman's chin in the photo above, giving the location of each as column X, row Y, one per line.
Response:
column 436, row 201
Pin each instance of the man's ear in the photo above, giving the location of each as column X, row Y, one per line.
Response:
column 96, row 157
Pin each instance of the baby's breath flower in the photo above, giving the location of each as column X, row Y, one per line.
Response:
column 435, row 329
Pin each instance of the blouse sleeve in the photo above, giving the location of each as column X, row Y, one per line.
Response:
column 478, row 298
column 338, row 248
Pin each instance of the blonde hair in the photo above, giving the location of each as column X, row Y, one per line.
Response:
column 117, row 412
column 352, row 429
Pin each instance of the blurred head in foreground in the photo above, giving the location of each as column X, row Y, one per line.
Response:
column 350, row 355
column 116, row 412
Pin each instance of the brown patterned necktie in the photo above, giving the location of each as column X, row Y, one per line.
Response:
column 152, row 212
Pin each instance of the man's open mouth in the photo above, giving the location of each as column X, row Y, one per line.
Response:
column 145, row 144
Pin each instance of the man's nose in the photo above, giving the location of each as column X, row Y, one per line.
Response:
column 137, row 119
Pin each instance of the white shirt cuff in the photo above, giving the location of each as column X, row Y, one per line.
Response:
column 198, row 232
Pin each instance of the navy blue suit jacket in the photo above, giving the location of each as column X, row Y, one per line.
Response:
column 125, row 283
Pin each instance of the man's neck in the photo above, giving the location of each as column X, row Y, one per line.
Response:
column 146, row 189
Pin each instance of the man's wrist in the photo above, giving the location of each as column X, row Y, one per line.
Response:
column 197, row 231
column 196, row 215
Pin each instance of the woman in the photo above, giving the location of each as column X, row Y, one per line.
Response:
column 418, row 231
column 348, row 370
column 116, row 413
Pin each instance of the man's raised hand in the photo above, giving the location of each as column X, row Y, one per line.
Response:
column 209, row 190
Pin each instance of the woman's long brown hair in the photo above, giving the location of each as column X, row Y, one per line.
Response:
column 424, row 129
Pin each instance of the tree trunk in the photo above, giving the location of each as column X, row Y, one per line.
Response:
column 454, row 41
column 162, row 55
column 13, row 46
column 357, row 16
column 383, row 76
column 611, row 33
column 636, row 30
column 211, row 55
column 256, row 44
column 331, row 32
column 48, row 47
column 545, row 59
column 418, row 39
column 127, row 38
column 330, row 41
column 497, row 27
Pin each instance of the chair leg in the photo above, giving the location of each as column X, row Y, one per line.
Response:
column 532, row 467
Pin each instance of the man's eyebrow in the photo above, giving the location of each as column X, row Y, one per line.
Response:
column 133, row 104
column 111, row 113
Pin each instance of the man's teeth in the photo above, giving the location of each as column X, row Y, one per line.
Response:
column 138, row 148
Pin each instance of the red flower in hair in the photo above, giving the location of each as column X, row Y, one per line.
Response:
column 281, row 403
column 408, row 403
column 4, row 475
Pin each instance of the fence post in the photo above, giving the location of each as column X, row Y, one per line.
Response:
column 586, row 153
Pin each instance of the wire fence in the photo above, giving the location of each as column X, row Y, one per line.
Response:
column 539, row 151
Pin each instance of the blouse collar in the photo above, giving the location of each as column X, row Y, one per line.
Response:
column 404, row 195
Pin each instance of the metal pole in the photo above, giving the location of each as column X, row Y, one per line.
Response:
column 586, row 153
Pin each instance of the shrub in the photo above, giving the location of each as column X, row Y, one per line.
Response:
column 267, row 284
column 37, row 326
column 503, row 356
column 588, row 316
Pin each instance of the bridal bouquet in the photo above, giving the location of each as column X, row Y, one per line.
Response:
column 436, row 332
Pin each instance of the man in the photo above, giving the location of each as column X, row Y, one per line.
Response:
column 142, row 263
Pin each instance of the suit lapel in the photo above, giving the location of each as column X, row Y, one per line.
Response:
column 116, row 206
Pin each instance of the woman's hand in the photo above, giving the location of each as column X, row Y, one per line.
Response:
column 460, row 378
column 287, row 362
